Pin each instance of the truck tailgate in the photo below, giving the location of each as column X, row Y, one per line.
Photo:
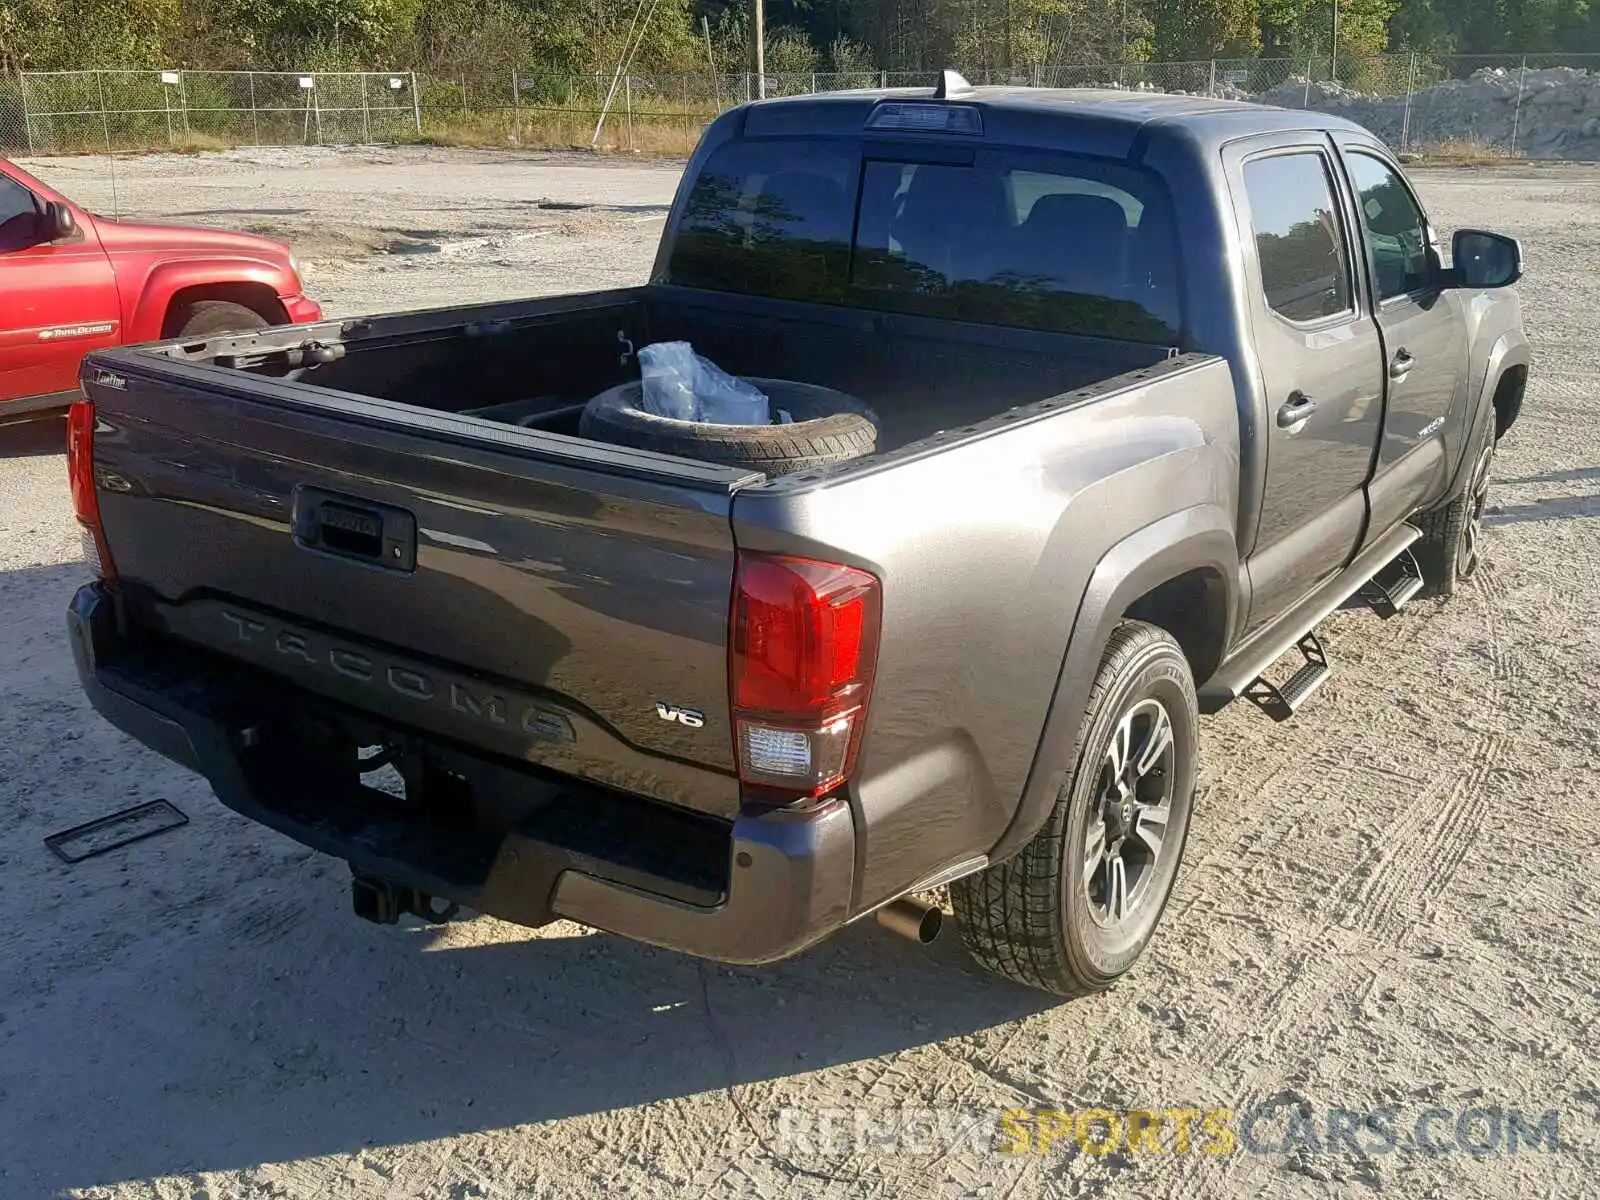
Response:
column 524, row 593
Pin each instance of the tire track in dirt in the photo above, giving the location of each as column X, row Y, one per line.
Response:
column 1432, row 837
column 1441, row 838
column 1376, row 900
column 1353, row 643
column 1392, row 892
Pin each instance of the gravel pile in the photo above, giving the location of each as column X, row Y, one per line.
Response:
column 1559, row 113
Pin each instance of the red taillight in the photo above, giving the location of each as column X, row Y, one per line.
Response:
column 80, row 473
column 802, row 649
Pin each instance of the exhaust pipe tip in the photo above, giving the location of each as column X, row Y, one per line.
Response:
column 912, row 919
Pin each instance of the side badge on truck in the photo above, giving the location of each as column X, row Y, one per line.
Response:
column 683, row 716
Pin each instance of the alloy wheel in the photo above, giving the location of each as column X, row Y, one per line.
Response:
column 1472, row 528
column 1126, row 832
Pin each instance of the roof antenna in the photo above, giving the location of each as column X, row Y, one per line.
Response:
column 950, row 84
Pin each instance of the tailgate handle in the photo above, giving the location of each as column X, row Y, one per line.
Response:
column 380, row 535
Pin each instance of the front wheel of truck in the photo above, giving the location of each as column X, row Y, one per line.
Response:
column 1451, row 548
column 1075, row 908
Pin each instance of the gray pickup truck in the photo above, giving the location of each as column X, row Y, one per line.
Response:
column 1159, row 383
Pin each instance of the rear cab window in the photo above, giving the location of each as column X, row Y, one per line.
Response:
column 1020, row 238
column 1301, row 248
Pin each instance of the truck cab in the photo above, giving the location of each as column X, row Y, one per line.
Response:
column 1363, row 353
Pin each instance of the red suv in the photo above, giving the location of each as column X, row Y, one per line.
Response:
column 71, row 282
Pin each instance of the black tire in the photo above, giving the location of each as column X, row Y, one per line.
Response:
column 1033, row 919
column 829, row 427
column 1451, row 547
column 202, row 318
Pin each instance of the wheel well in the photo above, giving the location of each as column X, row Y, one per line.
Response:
column 1508, row 399
column 1193, row 608
column 257, row 297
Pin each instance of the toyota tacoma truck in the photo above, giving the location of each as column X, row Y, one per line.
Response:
column 71, row 282
column 1160, row 383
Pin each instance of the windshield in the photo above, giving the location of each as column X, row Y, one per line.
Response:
column 1050, row 242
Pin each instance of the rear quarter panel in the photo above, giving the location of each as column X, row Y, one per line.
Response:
column 986, row 543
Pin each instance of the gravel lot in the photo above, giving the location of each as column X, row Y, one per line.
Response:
column 1389, row 904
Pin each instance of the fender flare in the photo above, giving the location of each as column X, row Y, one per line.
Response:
column 1198, row 538
column 1510, row 350
column 168, row 279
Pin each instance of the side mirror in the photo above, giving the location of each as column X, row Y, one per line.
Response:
column 1485, row 260
column 58, row 223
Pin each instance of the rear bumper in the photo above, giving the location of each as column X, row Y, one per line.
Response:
column 788, row 875
column 301, row 309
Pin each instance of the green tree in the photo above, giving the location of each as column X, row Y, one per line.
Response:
column 298, row 34
column 1302, row 27
column 1497, row 26
column 1546, row 25
column 1423, row 25
column 1196, row 29
column 460, row 39
column 790, row 52
column 849, row 58
column 44, row 35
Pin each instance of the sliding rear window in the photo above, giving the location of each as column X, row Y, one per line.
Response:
column 1019, row 238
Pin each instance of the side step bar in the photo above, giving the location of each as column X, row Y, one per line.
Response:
column 1392, row 588
column 1243, row 671
column 1281, row 703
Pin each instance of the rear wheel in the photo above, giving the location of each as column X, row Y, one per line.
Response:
column 1074, row 910
column 1451, row 548
column 201, row 318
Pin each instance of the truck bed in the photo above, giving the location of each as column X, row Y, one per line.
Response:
column 534, row 363
column 350, row 508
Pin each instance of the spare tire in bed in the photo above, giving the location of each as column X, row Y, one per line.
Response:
column 828, row 427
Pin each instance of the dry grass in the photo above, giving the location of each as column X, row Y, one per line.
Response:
column 195, row 142
column 668, row 133
column 179, row 143
column 672, row 132
column 1463, row 152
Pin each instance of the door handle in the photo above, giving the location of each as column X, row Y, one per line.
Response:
column 1299, row 407
column 1400, row 366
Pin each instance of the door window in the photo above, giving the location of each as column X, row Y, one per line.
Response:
column 1300, row 243
column 1396, row 231
column 19, row 215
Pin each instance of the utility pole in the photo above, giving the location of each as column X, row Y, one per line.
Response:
column 1122, row 67
column 711, row 62
column 1335, row 59
column 758, row 46
column 1008, row 41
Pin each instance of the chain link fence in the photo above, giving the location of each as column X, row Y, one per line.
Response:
column 53, row 112
column 1538, row 106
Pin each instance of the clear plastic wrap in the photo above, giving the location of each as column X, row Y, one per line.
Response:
column 682, row 386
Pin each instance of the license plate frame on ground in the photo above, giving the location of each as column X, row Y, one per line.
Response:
column 100, row 836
